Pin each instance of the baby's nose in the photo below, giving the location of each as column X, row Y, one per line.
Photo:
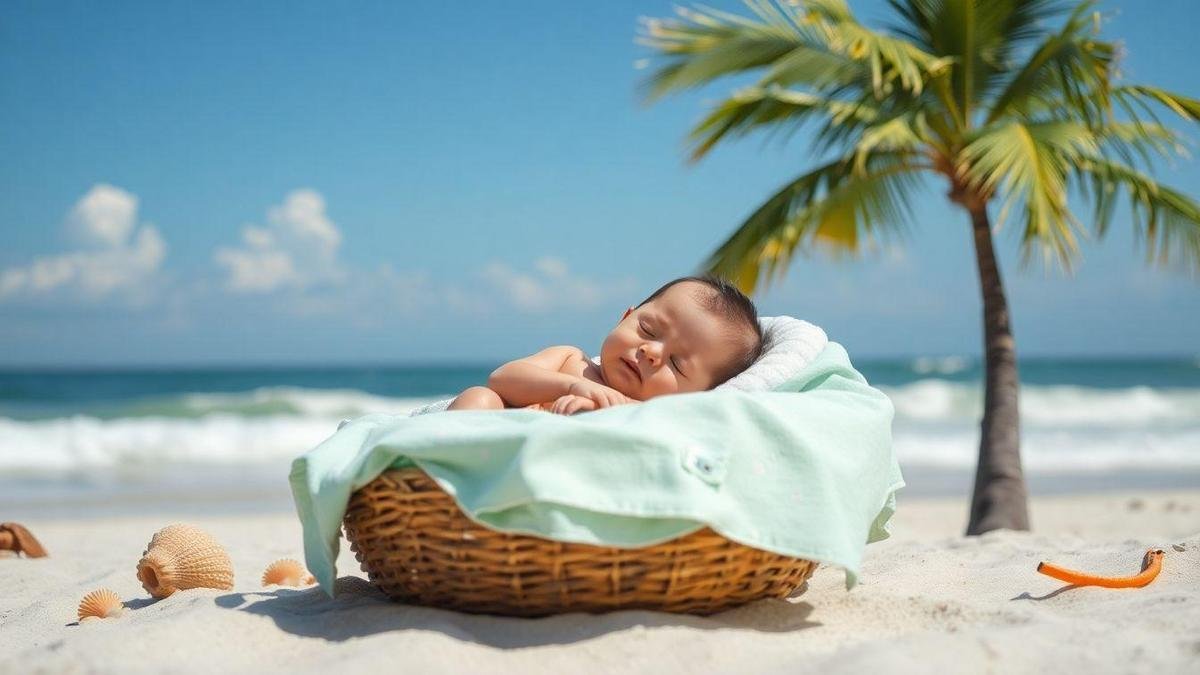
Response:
column 652, row 351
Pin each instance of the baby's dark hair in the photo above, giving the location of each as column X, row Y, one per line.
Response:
column 732, row 305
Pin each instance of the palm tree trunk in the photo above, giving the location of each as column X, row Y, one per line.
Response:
column 999, row 496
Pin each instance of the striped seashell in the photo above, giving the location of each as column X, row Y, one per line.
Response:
column 100, row 604
column 287, row 572
column 180, row 557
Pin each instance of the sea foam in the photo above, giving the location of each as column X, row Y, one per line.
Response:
column 1063, row 428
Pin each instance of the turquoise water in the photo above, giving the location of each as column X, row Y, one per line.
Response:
column 66, row 433
column 108, row 394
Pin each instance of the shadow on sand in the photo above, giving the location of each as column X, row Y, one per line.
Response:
column 361, row 610
column 1051, row 594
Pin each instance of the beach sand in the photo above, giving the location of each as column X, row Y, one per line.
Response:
column 930, row 600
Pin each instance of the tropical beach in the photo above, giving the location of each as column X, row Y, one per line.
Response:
column 329, row 339
column 928, row 596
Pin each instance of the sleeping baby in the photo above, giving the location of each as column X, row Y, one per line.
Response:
column 690, row 335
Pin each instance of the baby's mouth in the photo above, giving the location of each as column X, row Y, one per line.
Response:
column 636, row 373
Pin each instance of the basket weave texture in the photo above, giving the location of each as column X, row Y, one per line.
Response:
column 418, row 547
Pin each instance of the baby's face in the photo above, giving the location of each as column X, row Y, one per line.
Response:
column 669, row 345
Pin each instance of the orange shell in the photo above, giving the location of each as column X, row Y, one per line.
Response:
column 100, row 604
column 180, row 557
column 287, row 572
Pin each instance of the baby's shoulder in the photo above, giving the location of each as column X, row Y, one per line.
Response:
column 573, row 354
column 562, row 352
column 570, row 349
column 575, row 360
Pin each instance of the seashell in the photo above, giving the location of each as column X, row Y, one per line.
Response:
column 100, row 604
column 287, row 572
column 14, row 537
column 179, row 557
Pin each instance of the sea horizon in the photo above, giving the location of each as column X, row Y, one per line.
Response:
column 82, row 438
column 477, row 362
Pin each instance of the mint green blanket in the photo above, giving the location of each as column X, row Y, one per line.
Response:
column 806, row 471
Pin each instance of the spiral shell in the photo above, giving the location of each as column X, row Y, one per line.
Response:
column 100, row 604
column 179, row 557
column 287, row 572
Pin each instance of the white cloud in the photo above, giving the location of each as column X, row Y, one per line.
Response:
column 297, row 249
column 302, row 217
column 524, row 291
column 296, row 254
column 115, row 258
column 554, row 268
column 104, row 216
column 257, row 269
column 552, row 287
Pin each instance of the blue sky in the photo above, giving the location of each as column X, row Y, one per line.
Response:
column 224, row 183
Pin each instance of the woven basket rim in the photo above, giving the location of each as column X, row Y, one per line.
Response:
column 418, row 545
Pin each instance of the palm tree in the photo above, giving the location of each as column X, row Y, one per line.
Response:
column 984, row 94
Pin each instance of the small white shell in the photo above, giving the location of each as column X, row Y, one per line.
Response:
column 287, row 572
column 100, row 604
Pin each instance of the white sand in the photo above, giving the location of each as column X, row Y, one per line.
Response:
column 930, row 601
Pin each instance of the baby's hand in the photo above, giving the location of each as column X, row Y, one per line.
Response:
column 599, row 394
column 571, row 404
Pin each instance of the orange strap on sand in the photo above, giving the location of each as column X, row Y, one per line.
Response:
column 1150, row 568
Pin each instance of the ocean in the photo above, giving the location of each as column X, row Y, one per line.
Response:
column 84, row 440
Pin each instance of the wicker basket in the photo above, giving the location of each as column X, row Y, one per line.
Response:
column 418, row 547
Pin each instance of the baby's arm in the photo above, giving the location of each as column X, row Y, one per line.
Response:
column 536, row 379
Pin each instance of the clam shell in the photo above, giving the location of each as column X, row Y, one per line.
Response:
column 179, row 557
column 100, row 604
column 287, row 572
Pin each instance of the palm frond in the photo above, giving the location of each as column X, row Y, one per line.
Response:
column 907, row 132
column 1069, row 66
column 980, row 38
column 1030, row 163
column 817, row 46
column 704, row 45
column 944, row 86
column 1164, row 219
column 1137, row 141
column 1185, row 107
column 782, row 110
column 817, row 67
column 889, row 59
column 1011, row 22
column 832, row 208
